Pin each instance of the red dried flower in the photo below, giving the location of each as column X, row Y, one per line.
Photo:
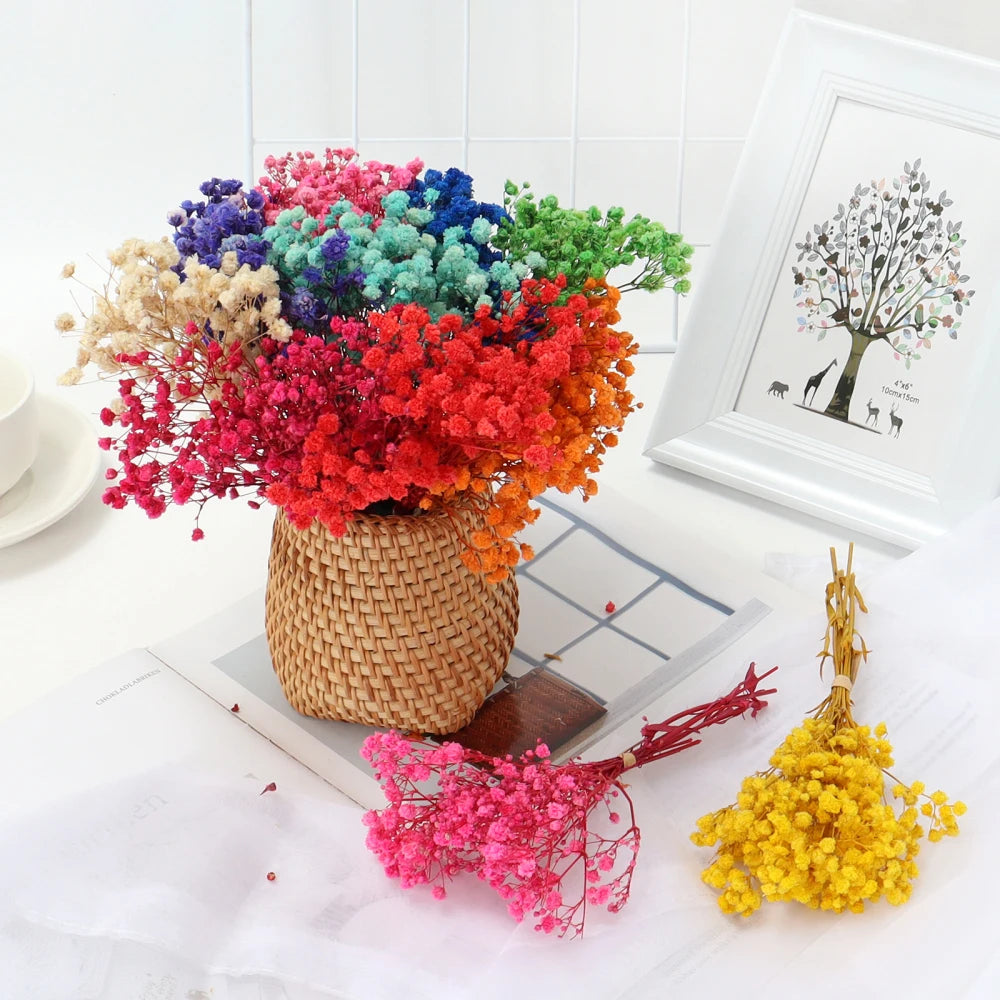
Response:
column 394, row 407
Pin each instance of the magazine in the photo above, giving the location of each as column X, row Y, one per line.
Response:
column 604, row 632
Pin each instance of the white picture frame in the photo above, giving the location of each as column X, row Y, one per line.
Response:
column 896, row 94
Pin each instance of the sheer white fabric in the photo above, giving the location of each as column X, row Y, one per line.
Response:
column 181, row 865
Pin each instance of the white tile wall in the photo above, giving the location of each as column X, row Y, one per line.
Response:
column 640, row 104
column 537, row 90
column 639, row 42
column 733, row 42
column 317, row 99
column 116, row 110
column 433, row 152
column 521, row 68
column 709, row 166
column 420, row 48
column 113, row 112
column 640, row 175
column 545, row 163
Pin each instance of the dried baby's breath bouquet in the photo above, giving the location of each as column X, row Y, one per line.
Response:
column 821, row 825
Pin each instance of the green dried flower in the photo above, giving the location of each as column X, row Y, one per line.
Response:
column 587, row 243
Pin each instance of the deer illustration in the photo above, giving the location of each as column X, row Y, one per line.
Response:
column 872, row 414
column 896, row 422
column 778, row 389
column 815, row 380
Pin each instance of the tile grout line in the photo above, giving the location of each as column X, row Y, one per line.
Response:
column 658, row 571
column 682, row 123
column 576, row 606
column 551, row 544
column 574, row 108
column 248, row 140
column 466, row 84
column 355, row 75
column 681, row 147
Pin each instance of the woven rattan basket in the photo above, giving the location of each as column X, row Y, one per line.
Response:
column 386, row 626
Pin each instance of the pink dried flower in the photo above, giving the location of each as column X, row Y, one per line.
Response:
column 317, row 183
column 535, row 831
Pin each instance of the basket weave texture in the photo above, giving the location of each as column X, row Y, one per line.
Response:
column 386, row 625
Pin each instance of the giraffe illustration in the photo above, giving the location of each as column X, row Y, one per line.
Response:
column 815, row 380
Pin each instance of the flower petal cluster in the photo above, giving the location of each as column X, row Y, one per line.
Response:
column 550, row 839
column 587, row 406
column 304, row 179
column 146, row 308
column 163, row 457
column 449, row 196
column 351, row 334
column 586, row 244
column 818, row 828
column 393, row 408
column 228, row 220
column 527, row 828
column 352, row 263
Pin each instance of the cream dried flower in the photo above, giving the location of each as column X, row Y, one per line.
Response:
column 146, row 306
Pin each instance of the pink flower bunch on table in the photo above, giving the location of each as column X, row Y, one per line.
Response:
column 521, row 826
column 544, row 836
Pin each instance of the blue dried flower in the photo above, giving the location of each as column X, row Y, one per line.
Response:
column 449, row 197
column 251, row 250
column 334, row 247
column 206, row 229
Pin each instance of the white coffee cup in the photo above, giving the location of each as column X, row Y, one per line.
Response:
column 18, row 421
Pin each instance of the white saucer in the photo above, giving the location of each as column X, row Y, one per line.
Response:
column 66, row 466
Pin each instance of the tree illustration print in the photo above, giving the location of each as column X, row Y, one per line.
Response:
column 886, row 267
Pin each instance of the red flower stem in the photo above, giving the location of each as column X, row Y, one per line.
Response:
column 679, row 732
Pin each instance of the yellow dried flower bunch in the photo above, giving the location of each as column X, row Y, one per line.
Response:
column 818, row 827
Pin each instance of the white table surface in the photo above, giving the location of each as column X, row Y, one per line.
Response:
column 102, row 581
